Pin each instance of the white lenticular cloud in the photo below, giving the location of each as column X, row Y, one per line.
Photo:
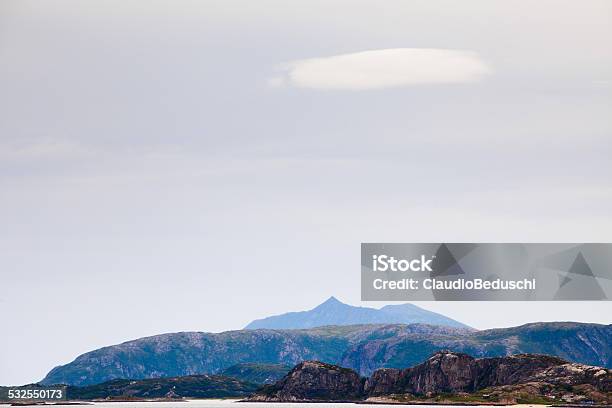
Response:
column 386, row 68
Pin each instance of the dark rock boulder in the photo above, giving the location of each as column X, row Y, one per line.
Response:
column 383, row 382
column 569, row 375
column 314, row 381
column 444, row 372
column 515, row 369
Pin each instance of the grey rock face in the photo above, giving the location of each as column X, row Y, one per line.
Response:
column 449, row 372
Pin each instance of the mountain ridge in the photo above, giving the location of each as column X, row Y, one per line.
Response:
column 363, row 348
column 334, row 312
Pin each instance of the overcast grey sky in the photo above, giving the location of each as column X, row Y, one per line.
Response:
column 188, row 165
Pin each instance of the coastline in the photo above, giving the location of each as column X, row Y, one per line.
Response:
column 229, row 400
column 379, row 401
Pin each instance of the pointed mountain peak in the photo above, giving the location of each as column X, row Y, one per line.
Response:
column 332, row 301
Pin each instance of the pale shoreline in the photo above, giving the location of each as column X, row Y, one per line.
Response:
column 232, row 400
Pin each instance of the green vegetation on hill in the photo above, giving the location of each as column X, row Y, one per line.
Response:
column 194, row 386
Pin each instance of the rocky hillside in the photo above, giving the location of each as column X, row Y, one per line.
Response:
column 577, row 342
column 450, row 377
column 314, row 381
column 454, row 373
column 194, row 386
column 332, row 312
column 363, row 348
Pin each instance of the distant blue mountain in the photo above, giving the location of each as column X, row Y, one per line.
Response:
column 333, row 312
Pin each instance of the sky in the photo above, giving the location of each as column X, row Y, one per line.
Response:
column 194, row 165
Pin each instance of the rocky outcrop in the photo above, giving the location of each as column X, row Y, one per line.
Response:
column 449, row 372
column 314, row 381
column 455, row 373
column 443, row 372
column 513, row 379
